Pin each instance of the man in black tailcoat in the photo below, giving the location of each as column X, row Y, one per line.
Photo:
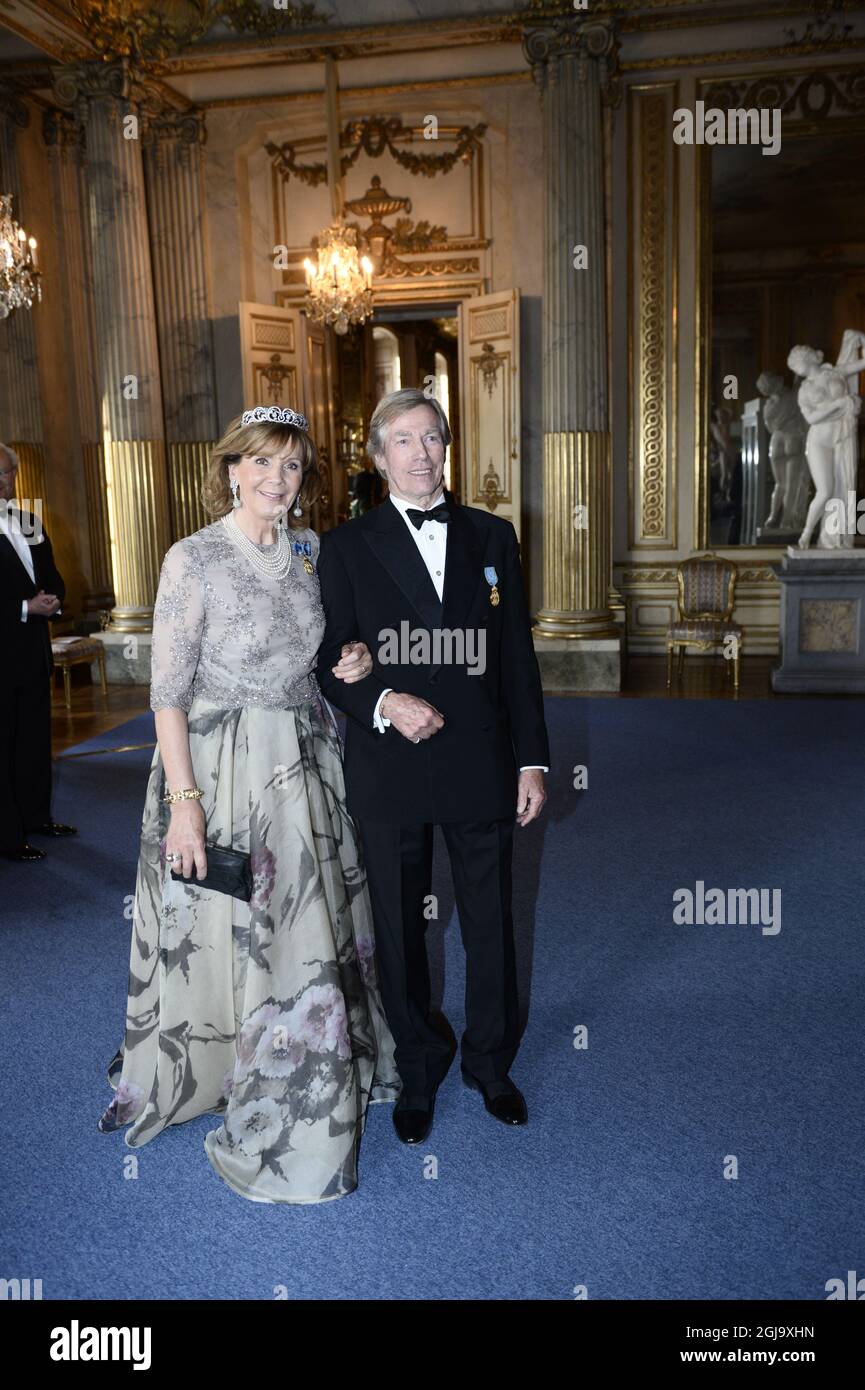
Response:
column 31, row 592
column 447, row 730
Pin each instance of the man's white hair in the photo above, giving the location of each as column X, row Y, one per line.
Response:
column 10, row 454
column 390, row 408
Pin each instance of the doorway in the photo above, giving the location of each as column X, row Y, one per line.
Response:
column 400, row 345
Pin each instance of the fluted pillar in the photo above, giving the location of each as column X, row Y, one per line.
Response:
column 64, row 140
column 573, row 63
column 21, row 423
column 103, row 98
column 173, row 152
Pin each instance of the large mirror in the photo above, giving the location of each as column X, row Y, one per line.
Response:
column 783, row 248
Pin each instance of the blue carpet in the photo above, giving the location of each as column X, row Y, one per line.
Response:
column 704, row 1042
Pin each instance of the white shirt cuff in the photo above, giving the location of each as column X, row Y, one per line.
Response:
column 536, row 767
column 378, row 719
column 24, row 610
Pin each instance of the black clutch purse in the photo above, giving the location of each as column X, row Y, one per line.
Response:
column 228, row 871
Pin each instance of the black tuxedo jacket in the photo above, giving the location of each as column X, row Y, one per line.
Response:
column 373, row 580
column 25, row 655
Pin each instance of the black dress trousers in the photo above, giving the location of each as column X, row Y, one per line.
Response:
column 25, row 760
column 398, row 862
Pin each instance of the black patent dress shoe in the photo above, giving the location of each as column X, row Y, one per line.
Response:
column 52, row 828
column 501, row 1099
column 24, row 854
column 413, row 1117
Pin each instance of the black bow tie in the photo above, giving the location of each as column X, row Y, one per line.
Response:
column 417, row 518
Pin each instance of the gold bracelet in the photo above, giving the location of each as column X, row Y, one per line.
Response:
column 187, row 794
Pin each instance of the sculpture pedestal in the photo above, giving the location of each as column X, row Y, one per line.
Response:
column 593, row 663
column 822, row 621
column 127, row 657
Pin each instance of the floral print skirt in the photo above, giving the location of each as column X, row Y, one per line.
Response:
column 267, row 1013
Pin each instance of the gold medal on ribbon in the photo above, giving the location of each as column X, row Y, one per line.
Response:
column 308, row 565
column 492, row 579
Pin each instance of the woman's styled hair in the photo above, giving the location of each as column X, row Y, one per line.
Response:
column 264, row 438
column 389, row 409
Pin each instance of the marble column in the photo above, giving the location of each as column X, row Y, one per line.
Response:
column 112, row 106
column 21, row 423
column 63, row 138
column 173, row 155
column 573, row 62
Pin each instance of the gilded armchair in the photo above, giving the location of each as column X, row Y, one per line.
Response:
column 707, row 590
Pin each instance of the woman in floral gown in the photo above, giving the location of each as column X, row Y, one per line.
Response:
column 266, row 1013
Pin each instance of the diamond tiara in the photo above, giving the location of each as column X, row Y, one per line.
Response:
column 280, row 414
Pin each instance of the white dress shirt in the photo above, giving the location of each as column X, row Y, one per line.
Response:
column 10, row 527
column 431, row 539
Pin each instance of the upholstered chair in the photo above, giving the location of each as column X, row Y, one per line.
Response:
column 707, row 589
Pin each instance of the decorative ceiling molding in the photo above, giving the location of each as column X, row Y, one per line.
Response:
column 745, row 55
column 432, row 84
column 359, row 41
column 149, row 33
column 46, row 26
column 809, row 97
column 52, row 26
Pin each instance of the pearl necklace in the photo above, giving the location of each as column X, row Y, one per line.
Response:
column 275, row 565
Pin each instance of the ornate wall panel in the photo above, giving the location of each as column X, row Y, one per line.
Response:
column 490, row 403
column 652, row 309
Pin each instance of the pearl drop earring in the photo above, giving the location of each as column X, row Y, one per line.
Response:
column 298, row 509
column 235, row 492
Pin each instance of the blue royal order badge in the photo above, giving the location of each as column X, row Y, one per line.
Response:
column 304, row 548
column 492, row 579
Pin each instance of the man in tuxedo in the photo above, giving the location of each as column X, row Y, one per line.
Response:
column 32, row 592
column 447, row 730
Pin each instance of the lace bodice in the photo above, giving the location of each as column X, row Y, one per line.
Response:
column 227, row 633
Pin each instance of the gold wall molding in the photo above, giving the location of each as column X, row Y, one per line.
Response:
column 636, row 575
column 653, row 224
column 99, row 528
column 187, row 469
column 725, row 58
column 138, row 509
column 375, row 136
column 576, row 558
column 30, row 482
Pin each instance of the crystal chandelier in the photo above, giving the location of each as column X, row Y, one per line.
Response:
column 19, row 273
column 339, row 288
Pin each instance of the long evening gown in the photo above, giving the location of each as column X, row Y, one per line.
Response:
column 267, row 1013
